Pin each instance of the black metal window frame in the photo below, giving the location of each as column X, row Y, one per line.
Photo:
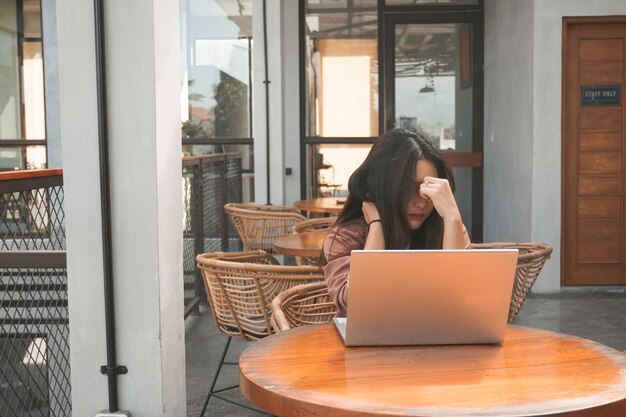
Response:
column 21, row 39
column 234, row 140
column 387, row 16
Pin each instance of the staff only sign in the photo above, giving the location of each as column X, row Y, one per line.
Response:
column 600, row 94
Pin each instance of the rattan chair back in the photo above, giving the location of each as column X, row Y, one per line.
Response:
column 310, row 225
column 241, row 285
column 260, row 225
column 311, row 303
column 301, row 305
column 532, row 257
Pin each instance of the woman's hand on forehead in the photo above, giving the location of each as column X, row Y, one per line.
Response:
column 438, row 190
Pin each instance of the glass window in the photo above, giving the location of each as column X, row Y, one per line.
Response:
column 10, row 117
column 341, row 68
column 330, row 166
column 216, row 45
column 33, row 90
column 433, row 89
column 14, row 158
column 22, row 100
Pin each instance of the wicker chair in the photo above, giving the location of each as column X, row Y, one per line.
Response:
column 531, row 258
column 259, row 225
column 301, row 305
column 310, row 303
column 310, row 225
column 321, row 223
column 240, row 287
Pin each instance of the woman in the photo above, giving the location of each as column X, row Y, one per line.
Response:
column 399, row 198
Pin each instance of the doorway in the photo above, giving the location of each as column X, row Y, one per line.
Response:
column 593, row 143
column 369, row 66
column 433, row 85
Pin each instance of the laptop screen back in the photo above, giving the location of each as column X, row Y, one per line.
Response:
column 429, row 296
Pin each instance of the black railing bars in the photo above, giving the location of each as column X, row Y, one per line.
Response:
column 34, row 328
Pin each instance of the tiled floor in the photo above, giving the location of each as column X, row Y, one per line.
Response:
column 600, row 317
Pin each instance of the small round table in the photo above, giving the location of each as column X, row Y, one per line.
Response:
column 307, row 244
column 309, row 372
column 332, row 205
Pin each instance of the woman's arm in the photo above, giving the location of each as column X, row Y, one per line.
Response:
column 338, row 245
column 455, row 234
column 439, row 192
column 375, row 236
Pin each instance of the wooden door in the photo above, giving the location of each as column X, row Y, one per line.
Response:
column 594, row 142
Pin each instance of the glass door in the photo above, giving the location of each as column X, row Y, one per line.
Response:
column 433, row 85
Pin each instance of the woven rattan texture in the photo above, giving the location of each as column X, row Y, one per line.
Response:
column 309, row 225
column 259, row 225
column 241, row 285
column 532, row 257
column 310, row 304
column 302, row 305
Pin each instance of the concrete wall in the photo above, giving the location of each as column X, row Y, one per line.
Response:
column 142, row 53
column 547, row 70
column 77, row 101
column 523, row 53
column 284, row 102
column 291, row 99
column 508, row 120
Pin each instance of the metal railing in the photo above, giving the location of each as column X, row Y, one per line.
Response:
column 209, row 182
column 34, row 336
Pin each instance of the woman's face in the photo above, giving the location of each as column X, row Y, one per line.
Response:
column 420, row 208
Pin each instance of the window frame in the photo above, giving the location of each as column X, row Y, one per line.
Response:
column 23, row 143
column 454, row 13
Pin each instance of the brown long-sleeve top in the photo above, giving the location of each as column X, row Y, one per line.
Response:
column 338, row 245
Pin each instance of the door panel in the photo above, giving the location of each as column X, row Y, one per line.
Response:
column 594, row 201
column 596, row 140
column 604, row 72
column 599, row 49
column 601, row 118
column 596, row 185
column 598, row 229
column 600, row 162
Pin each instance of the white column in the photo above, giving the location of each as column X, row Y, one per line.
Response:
column 291, row 101
column 142, row 53
column 284, row 102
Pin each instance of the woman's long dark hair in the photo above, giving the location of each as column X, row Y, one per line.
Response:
column 387, row 178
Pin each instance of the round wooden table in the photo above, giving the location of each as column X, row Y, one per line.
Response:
column 321, row 205
column 307, row 244
column 308, row 372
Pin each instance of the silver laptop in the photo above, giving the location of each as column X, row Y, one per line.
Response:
column 428, row 297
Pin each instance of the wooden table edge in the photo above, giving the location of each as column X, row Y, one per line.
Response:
column 309, row 253
column 297, row 252
column 300, row 205
column 276, row 403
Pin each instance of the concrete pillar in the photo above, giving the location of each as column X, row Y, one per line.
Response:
column 142, row 48
column 284, row 102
